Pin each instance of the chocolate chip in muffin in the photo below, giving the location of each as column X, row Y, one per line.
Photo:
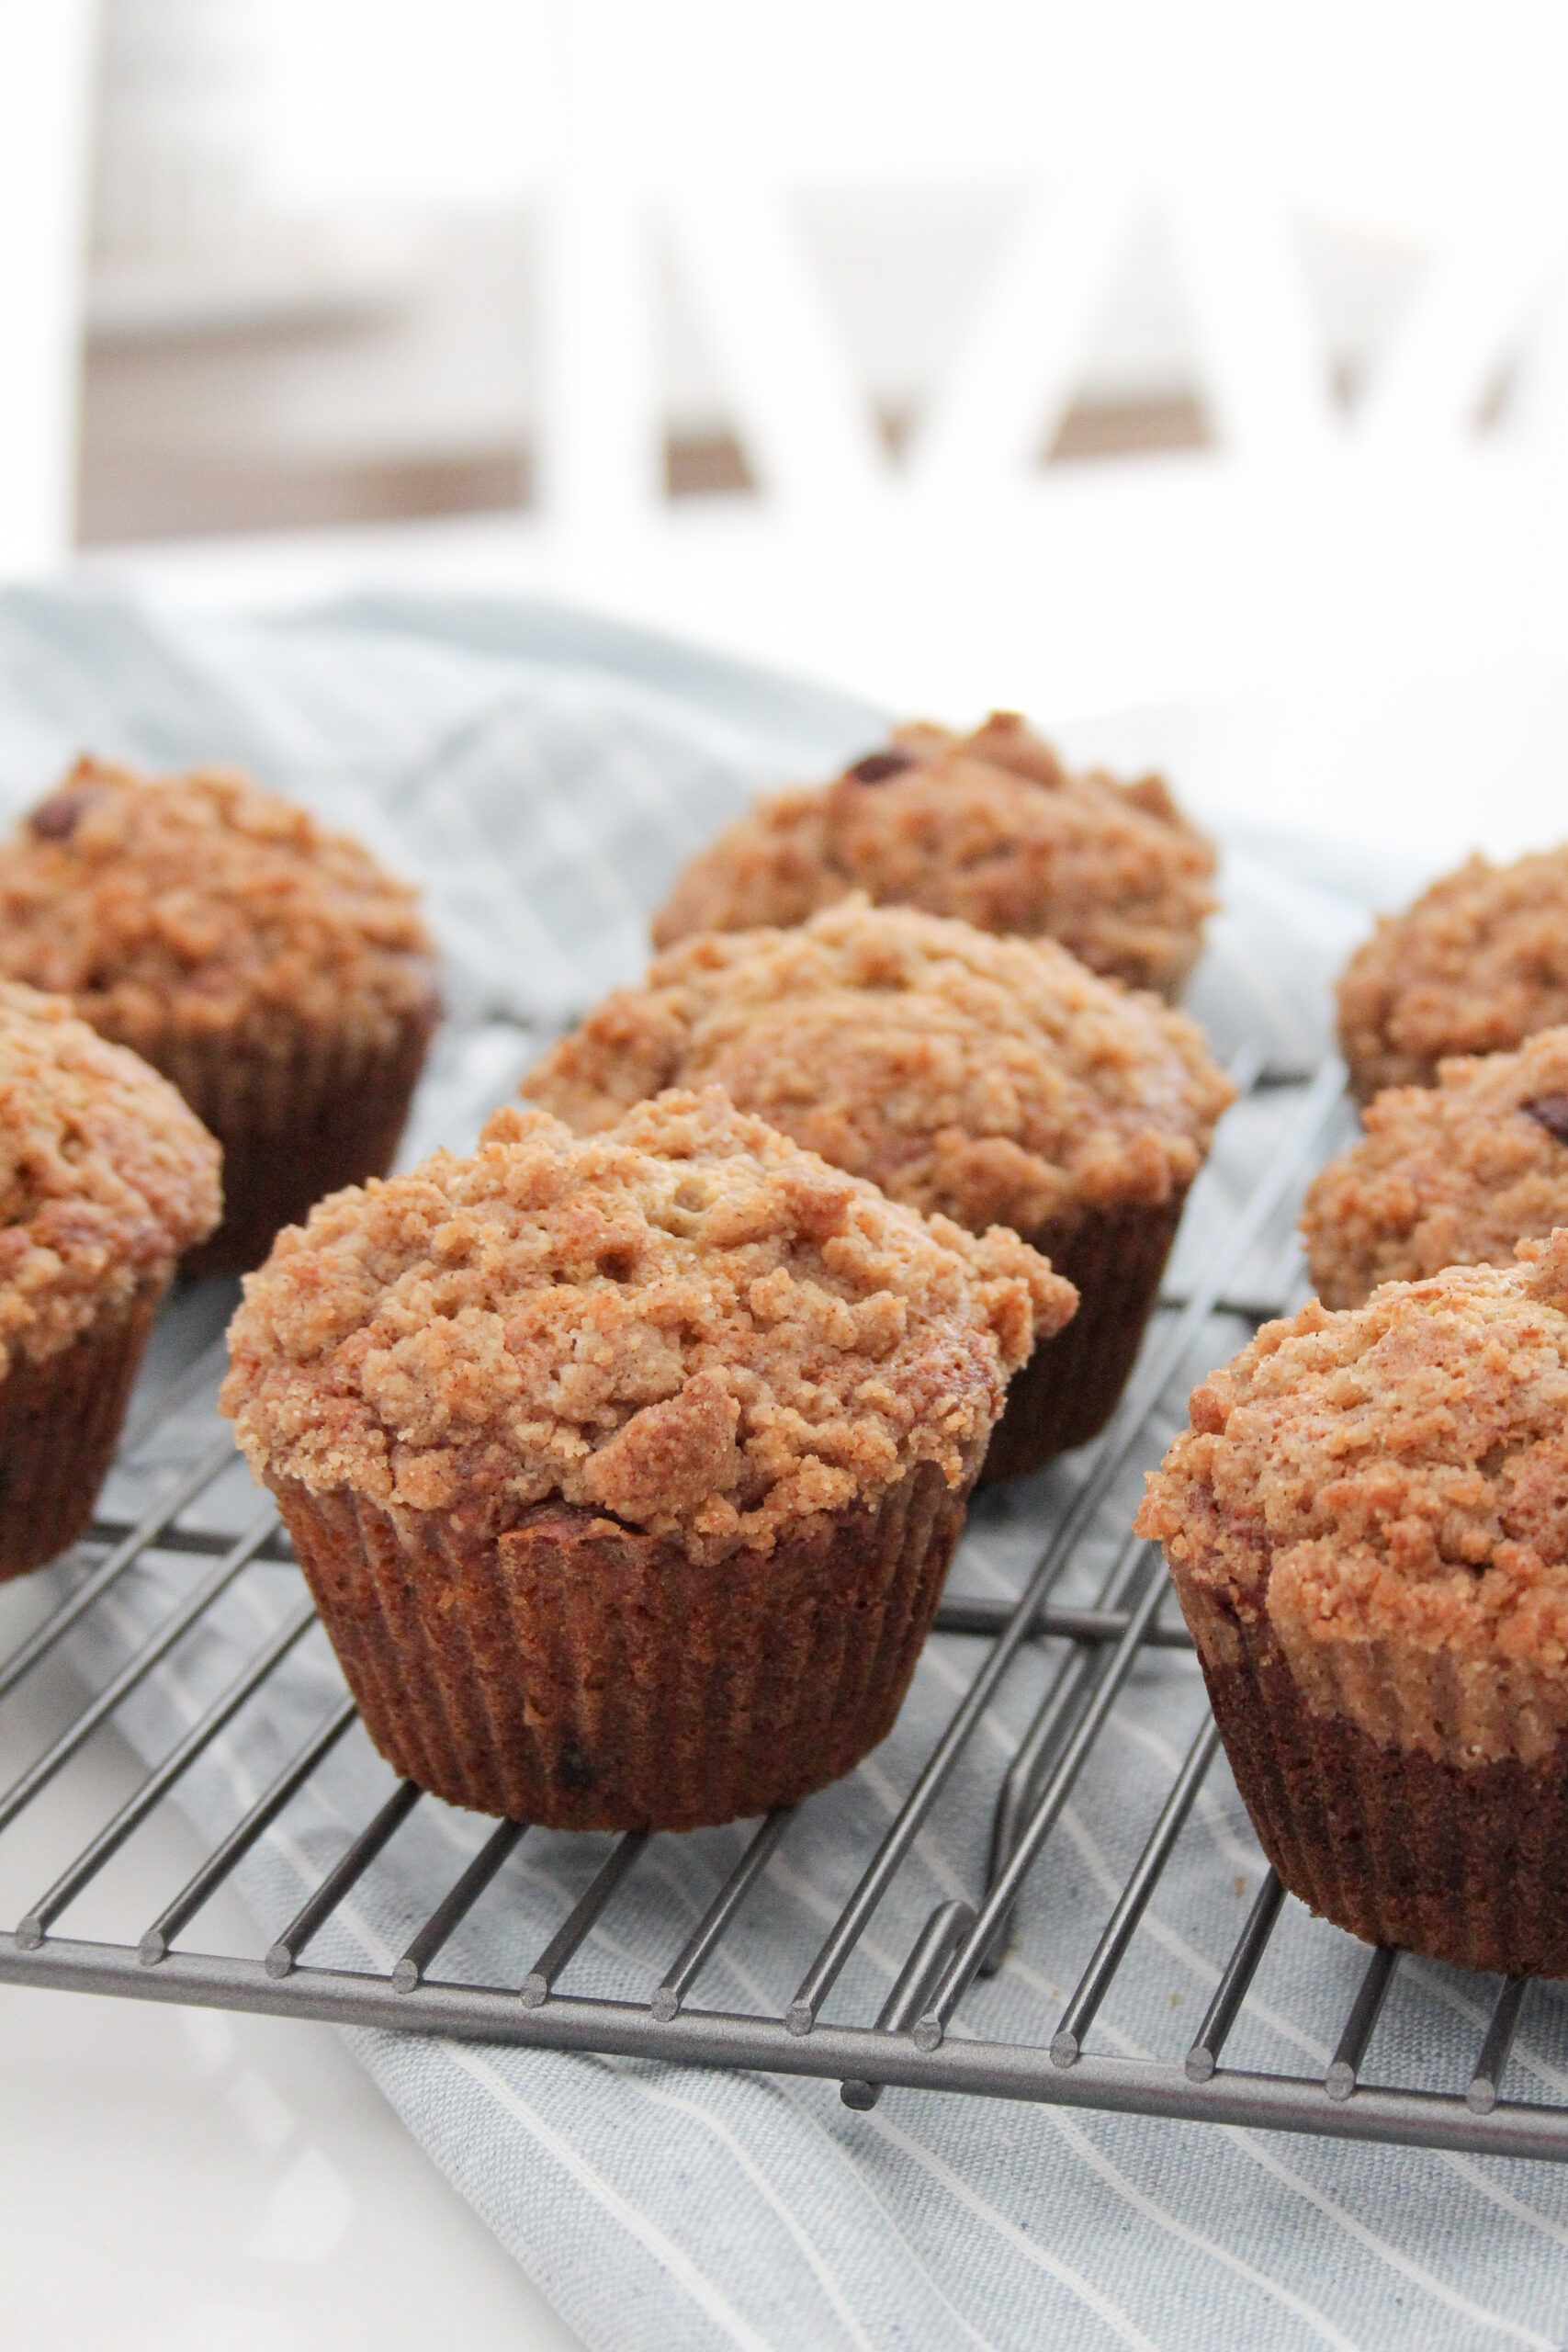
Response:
column 653, row 1549
column 1550, row 1111
column 574, row 1767
column 1445, row 1175
column 988, row 827
column 1366, row 1526
column 877, row 766
column 56, row 818
column 269, row 969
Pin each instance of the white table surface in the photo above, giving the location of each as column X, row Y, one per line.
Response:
column 191, row 2180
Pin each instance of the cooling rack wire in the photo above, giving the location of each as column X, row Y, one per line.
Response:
column 198, row 1522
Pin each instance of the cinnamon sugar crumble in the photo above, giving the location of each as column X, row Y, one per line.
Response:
column 1389, row 1486
column 988, row 827
column 199, row 906
column 687, row 1323
column 105, row 1176
column 995, row 1082
column 1478, row 964
column 1449, row 1175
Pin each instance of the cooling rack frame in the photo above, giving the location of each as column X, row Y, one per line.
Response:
column 912, row 2041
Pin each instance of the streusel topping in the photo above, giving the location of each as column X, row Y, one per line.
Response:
column 1448, row 1175
column 1478, row 964
column 688, row 1323
column 198, row 906
column 105, row 1176
column 995, row 1082
column 988, row 827
column 1390, row 1485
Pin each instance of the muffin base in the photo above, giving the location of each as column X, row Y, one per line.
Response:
column 1073, row 1382
column 576, row 1672
column 60, row 1421
column 1466, row 1863
column 293, row 1126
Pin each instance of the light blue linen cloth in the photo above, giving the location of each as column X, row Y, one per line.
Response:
column 544, row 775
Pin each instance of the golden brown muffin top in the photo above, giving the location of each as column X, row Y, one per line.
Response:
column 1390, row 1485
column 1448, row 1175
column 988, row 827
column 196, row 905
column 688, row 1323
column 995, row 1082
column 105, row 1176
column 1478, row 964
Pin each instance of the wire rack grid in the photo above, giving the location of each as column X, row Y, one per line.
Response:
column 202, row 1530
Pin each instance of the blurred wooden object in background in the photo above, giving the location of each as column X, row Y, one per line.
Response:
column 860, row 353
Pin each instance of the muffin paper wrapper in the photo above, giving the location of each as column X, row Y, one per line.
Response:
column 578, row 1673
column 1073, row 1382
column 1463, row 1862
column 60, row 1420
column 293, row 1126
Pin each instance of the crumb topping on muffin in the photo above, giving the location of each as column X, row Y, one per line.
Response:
column 687, row 1323
column 198, row 906
column 1478, row 964
column 988, row 827
column 105, row 1176
column 1389, row 1486
column 1449, row 1175
column 991, row 1081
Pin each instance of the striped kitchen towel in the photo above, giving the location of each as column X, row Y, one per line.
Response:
column 544, row 774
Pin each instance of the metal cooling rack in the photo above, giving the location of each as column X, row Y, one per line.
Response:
column 1092, row 1651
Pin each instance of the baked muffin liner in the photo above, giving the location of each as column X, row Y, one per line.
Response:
column 294, row 1126
column 1072, row 1382
column 1462, row 1862
column 60, row 1420
column 580, row 1673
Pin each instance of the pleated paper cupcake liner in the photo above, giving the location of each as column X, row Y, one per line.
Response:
column 580, row 1673
column 1073, row 1382
column 293, row 1126
column 1462, row 1862
column 60, row 1420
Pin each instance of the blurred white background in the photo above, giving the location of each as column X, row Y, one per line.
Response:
column 1193, row 376
column 1067, row 357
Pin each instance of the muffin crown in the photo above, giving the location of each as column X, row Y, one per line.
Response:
column 105, row 1176
column 688, row 1323
column 198, row 906
column 1451, row 1174
column 988, row 827
column 991, row 1081
column 1478, row 964
column 1389, row 1486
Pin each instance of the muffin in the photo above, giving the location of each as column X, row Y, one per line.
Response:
column 990, row 826
column 107, row 1178
column 1449, row 1175
column 991, row 1081
column 1476, row 966
column 1367, row 1524
column 626, row 1471
column 270, row 970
